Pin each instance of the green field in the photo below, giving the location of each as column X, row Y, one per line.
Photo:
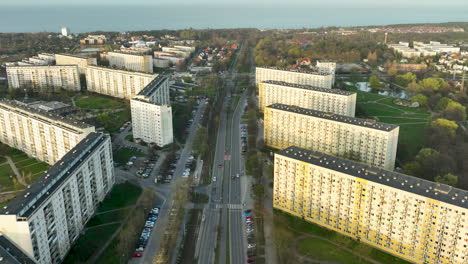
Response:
column 100, row 228
column 412, row 121
column 123, row 155
column 96, row 102
column 6, row 179
column 315, row 248
column 299, row 227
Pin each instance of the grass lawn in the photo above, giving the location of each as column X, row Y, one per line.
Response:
column 322, row 250
column 300, row 227
column 108, row 217
column 6, row 183
column 115, row 120
column 97, row 101
column 129, row 138
column 412, row 121
column 88, row 243
column 123, row 155
column 122, row 195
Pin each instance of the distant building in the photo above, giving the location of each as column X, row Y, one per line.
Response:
column 326, row 100
column 43, row 135
column 327, row 67
column 51, row 107
column 132, row 62
column 161, row 63
column 434, row 47
column 116, row 83
column 368, row 141
column 408, row 67
column 181, row 52
column 70, row 59
column 65, row 32
column 152, row 113
column 44, row 77
column 316, row 79
column 414, row 219
column 94, row 40
column 45, row 219
column 404, row 49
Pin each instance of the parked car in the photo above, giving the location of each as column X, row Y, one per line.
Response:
column 251, row 246
column 137, row 255
column 220, row 165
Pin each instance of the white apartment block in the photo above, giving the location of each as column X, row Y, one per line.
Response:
column 354, row 138
column 45, row 219
column 116, row 83
column 152, row 113
column 404, row 49
column 40, row 134
column 414, row 219
column 321, row 80
column 132, row 62
column 70, row 59
column 327, row 67
column 44, row 77
column 182, row 52
column 434, row 47
column 185, row 48
column 325, row 100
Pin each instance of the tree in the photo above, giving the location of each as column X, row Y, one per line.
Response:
column 372, row 57
column 448, row 179
column 455, row 111
column 405, row 79
column 421, row 99
column 442, row 104
column 446, row 126
column 375, row 82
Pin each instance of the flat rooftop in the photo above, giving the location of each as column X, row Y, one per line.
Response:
column 48, row 106
column 128, row 53
column 292, row 70
column 311, row 88
column 75, row 55
column 153, row 85
column 432, row 190
column 27, row 201
column 10, row 253
column 369, row 123
column 22, row 108
column 129, row 72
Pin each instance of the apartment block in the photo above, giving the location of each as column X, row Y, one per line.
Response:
column 152, row 113
column 130, row 61
column 44, row 78
column 368, row 141
column 116, row 83
column 404, row 49
column 327, row 67
column 312, row 78
column 434, row 47
column 326, row 100
column 71, row 59
column 42, row 135
column 11, row 253
column 45, row 219
column 414, row 219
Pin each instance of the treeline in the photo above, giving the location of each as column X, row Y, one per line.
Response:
column 29, row 44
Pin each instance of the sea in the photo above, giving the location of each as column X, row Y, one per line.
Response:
column 88, row 18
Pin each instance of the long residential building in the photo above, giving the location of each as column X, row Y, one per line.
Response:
column 326, row 100
column 44, row 78
column 317, row 79
column 11, row 253
column 116, row 83
column 45, row 219
column 72, row 59
column 40, row 134
column 368, row 141
column 152, row 113
column 414, row 219
column 129, row 61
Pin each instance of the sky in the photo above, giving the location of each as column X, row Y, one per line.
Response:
column 271, row 3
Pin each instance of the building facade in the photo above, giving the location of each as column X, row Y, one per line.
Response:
column 116, row 83
column 321, row 80
column 414, row 219
column 357, row 139
column 152, row 113
column 326, row 100
column 46, row 218
column 132, row 62
column 44, row 78
column 40, row 134
column 70, row 59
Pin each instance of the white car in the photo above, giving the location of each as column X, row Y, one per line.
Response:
column 251, row 246
column 214, row 178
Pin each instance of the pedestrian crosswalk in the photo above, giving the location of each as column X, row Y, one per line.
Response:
column 229, row 206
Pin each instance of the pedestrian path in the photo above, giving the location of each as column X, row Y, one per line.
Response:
column 229, row 206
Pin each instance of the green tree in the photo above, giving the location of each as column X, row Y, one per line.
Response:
column 444, row 125
column 405, row 79
column 448, row 179
column 374, row 82
column 421, row 99
column 442, row 104
column 455, row 111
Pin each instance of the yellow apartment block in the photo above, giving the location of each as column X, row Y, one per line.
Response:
column 353, row 138
column 414, row 219
column 326, row 100
column 313, row 78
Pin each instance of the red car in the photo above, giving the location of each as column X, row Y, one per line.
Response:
column 220, row 165
column 137, row 255
column 251, row 260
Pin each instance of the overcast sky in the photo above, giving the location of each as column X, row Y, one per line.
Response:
column 265, row 3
